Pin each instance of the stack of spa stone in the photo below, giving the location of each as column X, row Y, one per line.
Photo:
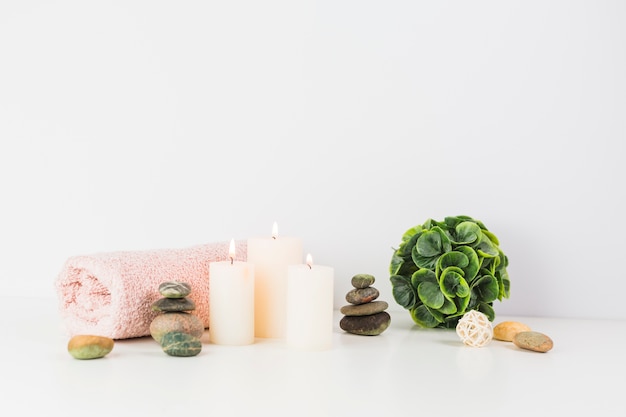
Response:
column 176, row 329
column 364, row 316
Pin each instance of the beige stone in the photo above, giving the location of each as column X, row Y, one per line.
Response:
column 179, row 322
column 534, row 341
column 507, row 330
column 89, row 346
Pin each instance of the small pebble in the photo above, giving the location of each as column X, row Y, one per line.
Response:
column 173, row 304
column 534, row 341
column 362, row 295
column 506, row 330
column 89, row 346
column 362, row 280
column 364, row 309
column 173, row 289
column 181, row 344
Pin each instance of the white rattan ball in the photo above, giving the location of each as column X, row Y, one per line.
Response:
column 475, row 329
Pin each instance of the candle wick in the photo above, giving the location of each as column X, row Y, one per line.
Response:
column 231, row 260
column 274, row 237
column 309, row 265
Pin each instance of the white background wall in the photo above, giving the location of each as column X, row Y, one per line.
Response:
column 129, row 125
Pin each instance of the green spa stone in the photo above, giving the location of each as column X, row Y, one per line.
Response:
column 89, row 346
column 362, row 280
column 181, row 344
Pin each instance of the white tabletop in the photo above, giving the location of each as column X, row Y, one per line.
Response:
column 406, row 371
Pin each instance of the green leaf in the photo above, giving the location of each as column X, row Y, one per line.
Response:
column 487, row 309
column 448, row 307
column 467, row 232
column 430, row 294
column 446, row 244
column 428, row 224
column 401, row 263
column 411, row 232
column 427, row 262
column 504, row 284
column 395, row 264
column 479, row 223
column 489, row 265
column 407, row 268
column 423, row 275
column 462, row 303
column 473, row 301
column 406, row 247
column 496, row 263
column 423, row 317
column 473, row 263
column 452, row 283
column 491, row 237
column 452, row 258
column 486, row 248
column 505, row 260
column 453, row 221
column 402, row 291
column 486, row 288
column 429, row 244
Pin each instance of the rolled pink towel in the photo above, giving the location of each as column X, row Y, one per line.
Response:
column 111, row 294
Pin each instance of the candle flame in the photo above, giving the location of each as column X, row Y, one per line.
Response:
column 309, row 260
column 274, row 231
column 231, row 250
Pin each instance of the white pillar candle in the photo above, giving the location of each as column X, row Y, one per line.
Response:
column 271, row 256
column 310, row 306
column 231, row 301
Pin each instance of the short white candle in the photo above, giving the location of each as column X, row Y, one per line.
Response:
column 231, row 301
column 310, row 306
column 271, row 256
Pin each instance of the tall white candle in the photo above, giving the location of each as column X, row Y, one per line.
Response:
column 271, row 256
column 310, row 306
column 231, row 301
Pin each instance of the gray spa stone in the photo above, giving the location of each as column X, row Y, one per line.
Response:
column 173, row 289
column 173, row 304
column 364, row 309
column 371, row 325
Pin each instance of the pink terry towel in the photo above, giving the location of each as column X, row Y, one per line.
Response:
column 111, row 294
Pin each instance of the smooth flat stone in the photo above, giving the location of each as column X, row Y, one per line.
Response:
column 179, row 322
column 534, row 341
column 372, row 325
column 173, row 304
column 362, row 280
column 181, row 344
column 506, row 330
column 362, row 295
column 366, row 309
column 173, row 289
column 89, row 346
